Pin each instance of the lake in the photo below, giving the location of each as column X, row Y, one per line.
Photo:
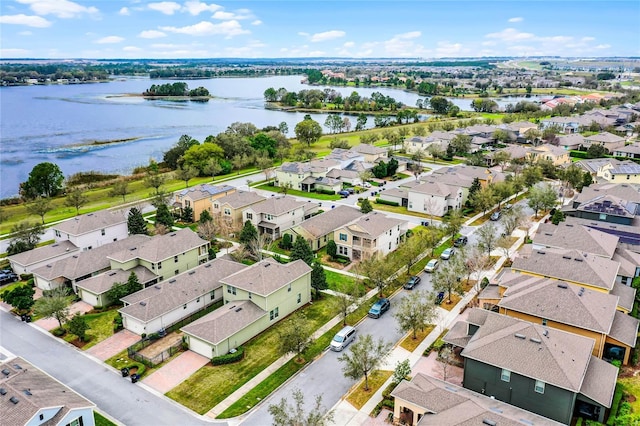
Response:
column 56, row 123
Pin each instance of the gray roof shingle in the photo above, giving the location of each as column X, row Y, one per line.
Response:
column 89, row 222
column 161, row 247
column 374, row 224
column 277, row 205
column 267, row 276
column 41, row 254
column 624, row 329
column 566, row 235
column 240, row 199
column 600, row 381
column 330, row 220
column 101, row 283
column 626, row 295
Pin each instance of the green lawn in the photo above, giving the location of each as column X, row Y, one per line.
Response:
column 631, row 386
column 212, row 384
column 100, row 327
column 101, row 420
column 295, row 192
column 333, row 278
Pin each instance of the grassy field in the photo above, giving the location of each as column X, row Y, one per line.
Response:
column 410, row 344
column 102, row 420
column 100, row 327
column 333, row 278
column 631, row 385
column 212, row 384
column 360, row 396
column 314, row 195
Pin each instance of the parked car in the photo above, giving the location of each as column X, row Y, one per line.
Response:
column 6, row 278
column 495, row 215
column 447, row 253
column 379, row 308
column 344, row 193
column 342, row 338
column 412, row 282
column 431, row 266
column 461, row 241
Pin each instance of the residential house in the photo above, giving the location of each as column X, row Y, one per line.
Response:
column 622, row 171
column 592, row 166
column 370, row 153
column 94, row 290
column 465, row 172
column 275, row 215
column 27, row 261
column 608, row 208
column 481, row 130
column 230, row 206
column 427, row 401
column 164, row 255
column 570, row 141
column 349, row 176
column 518, row 131
column 344, row 157
column 301, row 176
column 397, row 195
column 255, row 298
column 629, row 234
column 322, row 183
column 82, row 265
column 557, row 155
column 629, row 151
column 319, row 229
column 201, row 197
column 564, row 124
column 31, row 397
column 92, row 230
column 434, row 198
column 547, row 371
column 371, row 234
column 163, row 304
column 608, row 140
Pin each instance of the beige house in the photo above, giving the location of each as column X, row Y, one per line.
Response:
column 620, row 172
column 370, row 153
column 275, row 215
column 608, row 140
column 370, row 235
column 301, row 176
column 255, row 298
column 557, row 155
column 434, row 198
column 570, row 141
column 230, row 206
column 319, row 229
column 201, row 197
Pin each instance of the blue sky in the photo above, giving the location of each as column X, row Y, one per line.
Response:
column 303, row 28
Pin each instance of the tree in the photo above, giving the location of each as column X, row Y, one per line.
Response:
column 308, row 131
column 76, row 199
column 501, row 158
column 213, row 167
column 346, row 295
column 487, row 237
column 174, row 155
column 136, row 223
column 557, row 217
column 402, row 371
column 332, row 249
column 248, row 233
column 377, row 270
column 205, row 217
column 531, row 175
column 587, row 180
column 187, row 214
column 25, row 237
column 266, row 165
column 45, row 180
column 295, row 335
column 186, row 173
column 40, row 206
column 78, row 326
column 164, row 216
column 302, row 250
column 199, row 156
column 542, row 198
column 54, row 305
column 285, row 414
column 447, row 277
column 439, row 105
column 20, row 297
column 318, row 278
column 364, row 356
column 513, row 218
column 120, row 290
column 597, row 151
column 416, row 311
column 413, row 247
column 453, row 222
column 120, row 189
column 475, row 263
column 461, row 144
column 484, row 199
column 365, row 206
column 473, row 189
column 445, row 357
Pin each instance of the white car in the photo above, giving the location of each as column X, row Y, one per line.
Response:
column 431, row 266
column 446, row 255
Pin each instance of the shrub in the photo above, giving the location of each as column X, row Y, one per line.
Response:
column 616, row 363
column 578, row 154
column 389, row 403
column 625, row 408
column 388, row 203
column 579, row 422
column 154, row 336
column 386, row 393
column 58, row 331
column 26, row 277
column 325, row 191
column 140, row 366
column 617, row 397
column 238, row 355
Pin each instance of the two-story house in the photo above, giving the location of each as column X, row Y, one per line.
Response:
column 370, row 153
column 557, row 155
column 302, row 176
column 434, row 198
column 565, row 124
column 95, row 290
column 370, row 235
column 544, row 370
column 255, row 298
column 92, row 230
column 319, row 229
column 570, row 141
column 629, row 151
column 620, row 171
column 608, row 140
column 31, row 397
column 27, row 261
column 275, row 215
column 168, row 302
column 201, row 197
column 230, row 207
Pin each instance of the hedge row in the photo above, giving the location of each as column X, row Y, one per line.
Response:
column 229, row 358
column 617, row 397
column 388, row 203
column 325, row 191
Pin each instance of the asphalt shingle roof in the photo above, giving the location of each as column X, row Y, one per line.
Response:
column 624, row 329
column 330, row 220
column 101, row 283
column 600, row 381
column 374, row 224
column 267, row 276
column 161, row 247
column 566, row 235
column 41, row 254
column 240, row 199
column 89, row 222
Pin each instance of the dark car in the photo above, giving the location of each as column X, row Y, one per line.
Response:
column 412, row 282
column 6, row 278
column 344, row 193
column 460, row 241
column 495, row 215
column 379, row 308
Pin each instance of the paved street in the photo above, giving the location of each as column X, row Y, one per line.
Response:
column 130, row 404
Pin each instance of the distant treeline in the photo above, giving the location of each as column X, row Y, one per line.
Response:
column 17, row 74
column 178, row 88
column 247, row 71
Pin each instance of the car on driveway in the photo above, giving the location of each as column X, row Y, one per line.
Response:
column 495, row 215
column 447, row 253
column 8, row 277
column 461, row 241
column 379, row 308
column 412, row 282
column 431, row 266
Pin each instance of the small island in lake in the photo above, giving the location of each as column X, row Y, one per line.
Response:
column 178, row 91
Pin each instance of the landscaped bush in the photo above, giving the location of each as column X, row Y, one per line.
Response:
column 26, row 277
column 437, row 345
column 388, row 203
column 579, row 422
column 31, row 282
column 342, row 260
column 578, row 154
column 325, row 191
column 229, row 358
column 617, row 397
column 58, row 331
column 386, row 393
column 141, row 368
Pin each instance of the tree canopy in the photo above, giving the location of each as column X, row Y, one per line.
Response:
column 45, row 180
column 308, row 131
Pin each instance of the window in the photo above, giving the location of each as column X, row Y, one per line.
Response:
column 41, row 416
column 289, row 288
column 299, row 297
column 249, row 216
column 76, row 422
column 227, row 212
column 231, row 289
column 57, row 233
column 539, row 388
column 505, row 376
column 343, row 237
column 343, row 250
column 389, row 245
column 175, row 259
column 159, row 265
column 102, row 230
column 185, row 306
column 212, row 294
column 217, row 206
column 250, row 296
column 273, row 314
column 544, row 321
column 176, row 272
column 198, row 300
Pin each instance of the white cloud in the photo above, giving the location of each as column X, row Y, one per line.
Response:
column 196, row 7
column 510, row 35
column 151, row 34
column 124, row 11
column 327, row 35
column 29, row 21
column 257, row 22
column 131, row 49
column 516, row 19
column 8, row 53
column 314, row 53
column 602, row 46
column 349, row 44
column 25, row 33
column 446, row 48
column 303, row 34
column 409, row 35
column 586, row 39
column 223, row 15
column 204, row 28
column 59, row 8
column 110, row 40
column 166, row 7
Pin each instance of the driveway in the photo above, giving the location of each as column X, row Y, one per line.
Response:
column 51, row 323
column 175, row 372
column 113, row 345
